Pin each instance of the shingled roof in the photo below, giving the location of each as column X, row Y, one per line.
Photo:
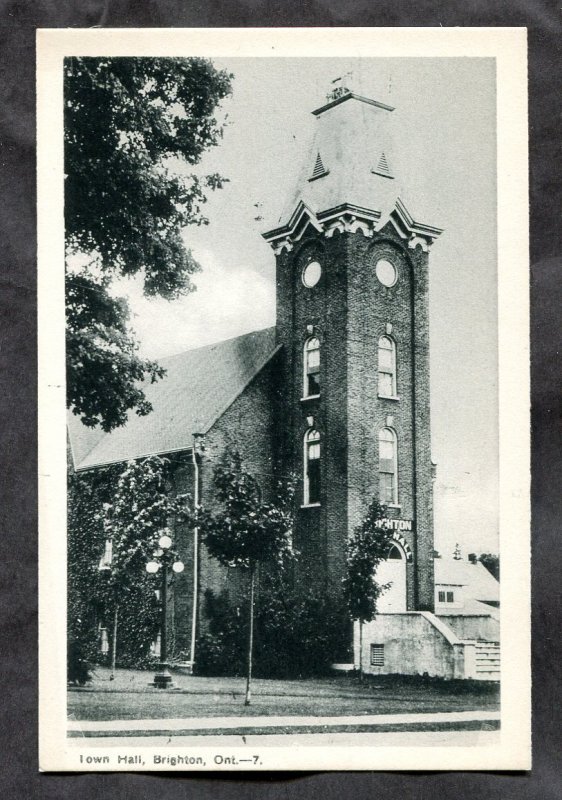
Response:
column 198, row 388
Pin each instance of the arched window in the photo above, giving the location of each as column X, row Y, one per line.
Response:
column 311, row 367
column 387, row 367
column 395, row 553
column 311, row 468
column 388, row 467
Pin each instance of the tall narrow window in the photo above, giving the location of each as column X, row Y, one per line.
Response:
column 312, row 367
column 107, row 556
column 387, row 367
column 311, row 467
column 388, row 467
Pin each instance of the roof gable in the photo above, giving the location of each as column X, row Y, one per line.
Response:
column 198, row 387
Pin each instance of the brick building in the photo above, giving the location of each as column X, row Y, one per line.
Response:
column 337, row 392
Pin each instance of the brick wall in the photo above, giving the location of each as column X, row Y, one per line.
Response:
column 322, row 310
column 371, row 308
column 403, row 306
column 348, row 311
column 247, row 426
column 425, row 595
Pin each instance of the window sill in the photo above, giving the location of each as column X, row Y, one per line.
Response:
column 310, row 397
column 311, row 505
column 389, row 397
column 393, row 505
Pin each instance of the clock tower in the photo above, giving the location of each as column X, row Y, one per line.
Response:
column 352, row 319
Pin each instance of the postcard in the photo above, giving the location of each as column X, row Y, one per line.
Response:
column 284, row 399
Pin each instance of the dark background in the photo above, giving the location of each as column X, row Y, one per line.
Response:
column 18, row 407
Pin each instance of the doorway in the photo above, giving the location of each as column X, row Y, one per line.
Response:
column 393, row 571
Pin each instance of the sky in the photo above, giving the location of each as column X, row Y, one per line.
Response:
column 444, row 155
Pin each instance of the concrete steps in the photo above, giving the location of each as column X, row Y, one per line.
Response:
column 487, row 661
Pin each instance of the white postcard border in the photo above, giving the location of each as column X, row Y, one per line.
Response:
column 508, row 46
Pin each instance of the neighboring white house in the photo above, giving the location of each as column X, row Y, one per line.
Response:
column 465, row 587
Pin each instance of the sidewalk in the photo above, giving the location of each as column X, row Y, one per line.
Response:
column 454, row 720
column 377, row 738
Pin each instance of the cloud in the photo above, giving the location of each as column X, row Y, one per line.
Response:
column 229, row 300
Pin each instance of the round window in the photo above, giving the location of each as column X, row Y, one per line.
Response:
column 386, row 272
column 311, row 274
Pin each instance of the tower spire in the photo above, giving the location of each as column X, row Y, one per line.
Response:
column 347, row 182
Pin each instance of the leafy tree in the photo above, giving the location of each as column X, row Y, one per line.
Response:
column 247, row 532
column 492, row 563
column 367, row 546
column 139, row 512
column 85, row 545
column 297, row 630
column 222, row 647
column 129, row 506
column 103, row 367
column 134, row 129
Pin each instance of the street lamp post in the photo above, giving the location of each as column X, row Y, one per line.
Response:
column 161, row 561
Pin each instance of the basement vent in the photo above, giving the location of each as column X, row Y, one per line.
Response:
column 382, row 167
column 377, row 655
column 319, row 169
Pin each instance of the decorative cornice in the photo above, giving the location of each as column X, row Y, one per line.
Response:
column 285, row 236
column 348, row 218
column 348, row 208
column 418, row 234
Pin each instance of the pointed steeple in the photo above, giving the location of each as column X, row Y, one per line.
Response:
column 346, row 182
column 352, row 132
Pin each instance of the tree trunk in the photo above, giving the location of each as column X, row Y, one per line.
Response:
column 114, row 642
column 250, row 637
column 360, row 649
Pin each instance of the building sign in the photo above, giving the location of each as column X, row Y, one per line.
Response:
column 397, row 525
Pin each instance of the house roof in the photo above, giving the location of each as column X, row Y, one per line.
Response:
column 481, row 584
column 470, row 607
column 198, row 387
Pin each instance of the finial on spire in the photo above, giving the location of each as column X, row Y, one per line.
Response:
column 457, row 555
column 341, row 86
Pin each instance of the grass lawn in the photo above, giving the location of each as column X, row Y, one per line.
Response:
column 129, row 696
